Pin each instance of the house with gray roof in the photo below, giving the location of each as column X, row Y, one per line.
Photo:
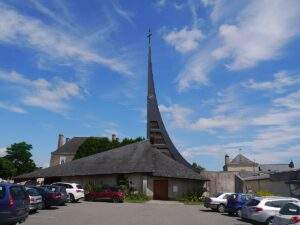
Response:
column 154, row 166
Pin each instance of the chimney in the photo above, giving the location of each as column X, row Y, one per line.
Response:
column 291, row 164
column 61, row 140
column 226, row 159
column 67, row 139
column 113, row 137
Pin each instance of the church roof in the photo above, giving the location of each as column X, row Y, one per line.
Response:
column 71, row 146
column 241, row 160
column 139, row 157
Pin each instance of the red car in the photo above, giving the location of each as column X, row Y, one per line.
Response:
column 113, row 194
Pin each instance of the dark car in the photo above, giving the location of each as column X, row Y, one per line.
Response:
column 50, row 197
column 113, row 194
column 14, row 204
column 236, row 201
column 61, row 189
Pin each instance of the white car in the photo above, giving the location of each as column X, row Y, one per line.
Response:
column 75, row 191
column 263, row 209
column 289, row 214
column 218, row 202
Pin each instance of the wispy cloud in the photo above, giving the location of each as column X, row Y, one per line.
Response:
column 184, row 40
column 127, row 15
column 12, row 108
column 27, row 31
column 281, row 80
column 281, row 19
column 50, row 95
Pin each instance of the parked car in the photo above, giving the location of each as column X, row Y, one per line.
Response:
column 75, row 191
column 288, row 214
column 61, row 189
column 236, row 201
column 218, row 202
column 14, row 204
column 113, row 194
column 50, row 197
column 35, row 199
column 263, row 210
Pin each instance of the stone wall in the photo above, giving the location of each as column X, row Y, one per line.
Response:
column 279, row 188
column 55, row 159
column 221, row 181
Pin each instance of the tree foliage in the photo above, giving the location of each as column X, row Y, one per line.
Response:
column 197, row 167
column 7, row 168
column 94, row 145
column 19, row 154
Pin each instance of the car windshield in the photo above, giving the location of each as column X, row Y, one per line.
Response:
column 18, row 193
column 218, row 195
column 32, row 192
column 253, row 202
column 2, row 192
column 290, row 209
column 79, row 186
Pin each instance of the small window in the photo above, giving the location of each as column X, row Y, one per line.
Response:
column 277, row 204
column 18, row 193
column 290, row 209
column 154, row 125
column 79, row 186
column 62, row 159
column 2, row 192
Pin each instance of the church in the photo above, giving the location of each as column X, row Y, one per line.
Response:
column 153, row 167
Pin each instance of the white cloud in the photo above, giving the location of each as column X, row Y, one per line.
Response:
column 11, row 108
column 291, row 101
column 26, row 31
column 2, row 152
column 178, row 114
column 184, row 40
column 50, row 95
column 263, row 29
column 123, row 13
column 281, row 80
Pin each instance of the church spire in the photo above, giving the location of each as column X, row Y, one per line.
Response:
column 156, row 131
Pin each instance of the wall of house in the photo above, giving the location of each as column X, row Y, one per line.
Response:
column 55, row 159
column 97, row 180
column 276, row 187
column 220, row 181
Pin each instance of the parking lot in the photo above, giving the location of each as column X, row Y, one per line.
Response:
column 96, row 213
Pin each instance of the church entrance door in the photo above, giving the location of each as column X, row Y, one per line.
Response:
column 160, row 189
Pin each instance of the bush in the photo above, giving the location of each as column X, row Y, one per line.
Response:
column 264, row 193
column 139, row 197
column 194, row 196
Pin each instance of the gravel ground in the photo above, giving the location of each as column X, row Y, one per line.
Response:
column 101, row 213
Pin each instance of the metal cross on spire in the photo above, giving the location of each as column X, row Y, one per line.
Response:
column 149, row 34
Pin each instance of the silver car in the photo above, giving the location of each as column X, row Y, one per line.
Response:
column 263, row 210
column 36, row 201
column 289, row 214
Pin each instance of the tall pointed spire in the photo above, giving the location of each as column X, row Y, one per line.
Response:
column 156, row 131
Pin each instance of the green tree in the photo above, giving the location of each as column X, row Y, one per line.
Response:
column 19, row 154
column 7, row 168
column 94, row 145
column 197, row 167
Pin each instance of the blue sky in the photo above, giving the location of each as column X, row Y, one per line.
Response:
column 227, row 75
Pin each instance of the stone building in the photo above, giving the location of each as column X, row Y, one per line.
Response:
column 153, row 167
column 240, row 163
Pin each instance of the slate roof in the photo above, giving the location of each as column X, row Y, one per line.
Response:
column 71, row 146
column 274, row 167
column 139, row 157
column 241, row 160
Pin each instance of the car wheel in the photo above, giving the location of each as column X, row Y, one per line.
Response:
column 72, row 199
column 115, row 200
column 239, row 213
column 270, row 221
column 221, row 208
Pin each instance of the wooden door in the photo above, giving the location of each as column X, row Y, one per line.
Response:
column 160, row 189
